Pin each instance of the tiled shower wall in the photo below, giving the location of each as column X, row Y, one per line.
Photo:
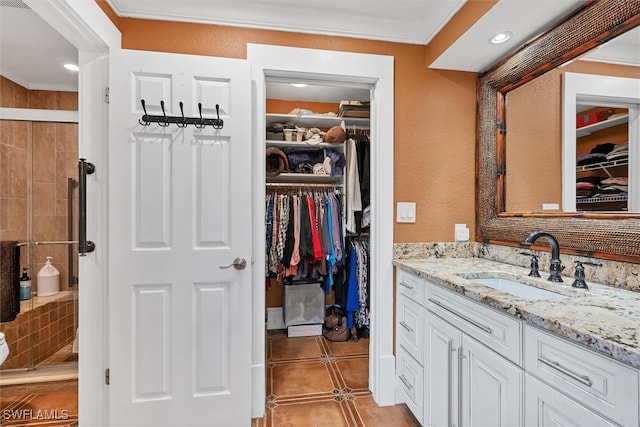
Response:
column 37, row 158
column 39, row 333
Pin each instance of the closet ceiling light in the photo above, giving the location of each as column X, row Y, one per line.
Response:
column 500, row 37
column 299, row 84
column 71, row 67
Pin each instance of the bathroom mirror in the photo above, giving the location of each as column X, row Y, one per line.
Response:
column 540, row 141
column 605, row 235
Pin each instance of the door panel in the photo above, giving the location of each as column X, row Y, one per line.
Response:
column 491, row 387
column 179, row 337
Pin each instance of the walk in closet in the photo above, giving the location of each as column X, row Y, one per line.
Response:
column 317, row 220
column 602, row 163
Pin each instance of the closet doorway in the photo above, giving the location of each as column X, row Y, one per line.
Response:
column 349, row 73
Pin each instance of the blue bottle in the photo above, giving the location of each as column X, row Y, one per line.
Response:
column 25, row 285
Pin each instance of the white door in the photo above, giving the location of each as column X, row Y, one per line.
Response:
column 491, row 388
column 180, row 208
column 442, row 373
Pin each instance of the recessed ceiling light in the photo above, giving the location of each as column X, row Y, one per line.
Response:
column 299, row 84
column 71, row 67
column 500, row 37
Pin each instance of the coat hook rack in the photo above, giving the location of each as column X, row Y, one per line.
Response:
column 180, row 121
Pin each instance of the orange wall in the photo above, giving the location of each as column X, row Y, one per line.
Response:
column 534, row 136
column 434, row 140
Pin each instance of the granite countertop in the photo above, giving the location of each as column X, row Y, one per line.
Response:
column 602, row 318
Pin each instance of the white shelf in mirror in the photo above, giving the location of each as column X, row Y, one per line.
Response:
column 604, row 165
column 602, row 199
column 587, row 130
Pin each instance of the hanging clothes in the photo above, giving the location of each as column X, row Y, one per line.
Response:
column 304, row 236
column 357, row 296
column 352, row 180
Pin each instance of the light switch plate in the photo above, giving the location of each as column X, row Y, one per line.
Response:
column 406, row 212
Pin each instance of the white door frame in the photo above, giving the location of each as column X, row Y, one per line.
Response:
column 86, row 27
column 345, row 67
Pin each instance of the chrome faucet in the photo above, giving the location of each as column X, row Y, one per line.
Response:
column 556, row 266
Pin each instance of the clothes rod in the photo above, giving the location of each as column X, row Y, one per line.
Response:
column 22, row 244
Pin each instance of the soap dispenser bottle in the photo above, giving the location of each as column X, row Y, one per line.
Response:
column 25, row 285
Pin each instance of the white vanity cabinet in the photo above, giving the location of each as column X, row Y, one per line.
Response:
column 468, row 382
column 588, row 385
column 465, row 382
column 410, row 323
column 442, row 373
column 476, row 366
column 491, row 387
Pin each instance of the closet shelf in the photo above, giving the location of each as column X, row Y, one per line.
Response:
column 604, row 165
column 602, row 199
column 284, row 144
column 587, row 130
column 314, row 120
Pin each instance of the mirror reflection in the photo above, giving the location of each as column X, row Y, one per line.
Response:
column 535, row 168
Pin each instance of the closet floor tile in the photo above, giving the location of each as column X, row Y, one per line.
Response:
column 349, row 348
column 328, row 412
column 369, row 414
column 298, row 348
column 324, row 384
column 300, row 379
column 353, row 372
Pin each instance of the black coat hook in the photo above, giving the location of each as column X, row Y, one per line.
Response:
column 201, row 124
column 166, row 121
column 184, row 123
column 145, row 119
column 217, row 124
column 180, row 121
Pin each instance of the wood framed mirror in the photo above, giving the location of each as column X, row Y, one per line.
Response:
column 601, row 235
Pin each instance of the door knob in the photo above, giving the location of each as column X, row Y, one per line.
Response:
column 238, row 264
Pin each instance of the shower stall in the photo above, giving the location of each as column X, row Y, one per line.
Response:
column 39, row 205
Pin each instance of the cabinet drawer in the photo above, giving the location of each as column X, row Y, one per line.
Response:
column 410, row 285
column 498, row 331
column 546, row 407
column 410, row 327
column 409, row 383
column 596, row 381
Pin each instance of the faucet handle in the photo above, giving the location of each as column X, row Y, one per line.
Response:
column 534, row 264
column 579, row 281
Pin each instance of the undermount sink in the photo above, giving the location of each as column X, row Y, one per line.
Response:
column 513, row 287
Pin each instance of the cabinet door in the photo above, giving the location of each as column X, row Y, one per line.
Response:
column 442, row 368
column 491, row 387
column 544, row 407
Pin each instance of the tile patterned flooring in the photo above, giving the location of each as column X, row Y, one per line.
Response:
column 313, row 382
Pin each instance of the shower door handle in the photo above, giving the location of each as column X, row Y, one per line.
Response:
column 84, row 168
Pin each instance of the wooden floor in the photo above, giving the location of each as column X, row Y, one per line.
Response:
column 311, row 382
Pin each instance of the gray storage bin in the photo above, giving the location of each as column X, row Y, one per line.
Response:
column 303, row 304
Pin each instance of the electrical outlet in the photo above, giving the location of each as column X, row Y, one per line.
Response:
column 461, row 233
column 550, row 206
